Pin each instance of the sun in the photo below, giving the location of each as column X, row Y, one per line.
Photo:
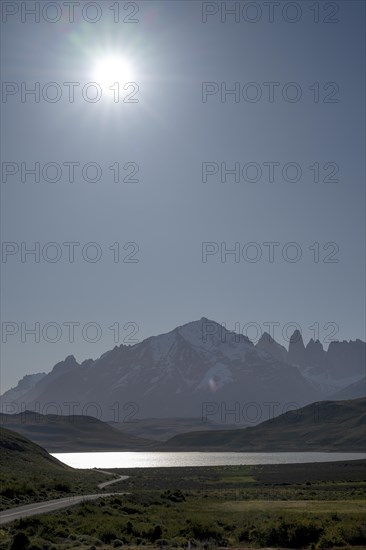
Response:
column 111, row 69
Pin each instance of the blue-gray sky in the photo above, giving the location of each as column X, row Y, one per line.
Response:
column 170, row 211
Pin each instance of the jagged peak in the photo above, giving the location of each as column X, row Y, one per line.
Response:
column 70, row 361
column 314, row 344
column 190, row 325
column 296, row 338
column 338, row 342
column 266, row 337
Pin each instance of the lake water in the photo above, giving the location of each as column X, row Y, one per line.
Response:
column 166, row 460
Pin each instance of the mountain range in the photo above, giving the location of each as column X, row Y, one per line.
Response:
column 198, row 370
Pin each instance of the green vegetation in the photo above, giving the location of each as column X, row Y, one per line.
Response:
column 283, row 506
column 29, row 474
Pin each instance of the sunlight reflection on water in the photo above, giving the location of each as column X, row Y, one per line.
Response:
column 166, row 460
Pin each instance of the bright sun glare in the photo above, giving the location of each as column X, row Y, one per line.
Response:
column 111, row 69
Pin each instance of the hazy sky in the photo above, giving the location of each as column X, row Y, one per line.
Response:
column 293, row 130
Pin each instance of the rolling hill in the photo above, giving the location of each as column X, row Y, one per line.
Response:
column 28, row 473
column 161, row 429
column 322, row 426
column 18, row 452
column 353, row 391
column 71, row 433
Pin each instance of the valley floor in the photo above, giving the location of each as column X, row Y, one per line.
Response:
column 311, row 506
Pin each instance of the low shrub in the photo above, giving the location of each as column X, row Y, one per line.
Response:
column 292, row 534
column 20, row 542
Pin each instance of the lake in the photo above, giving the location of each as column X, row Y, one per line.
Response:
column 166, row 460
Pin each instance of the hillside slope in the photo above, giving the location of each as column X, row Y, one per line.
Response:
column 71, row 433
column 17, row 451
column 353, row 391
column 161, row 429
column 29, row 474
column 322, row 426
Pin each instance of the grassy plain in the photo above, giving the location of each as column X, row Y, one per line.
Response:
column 311, row 506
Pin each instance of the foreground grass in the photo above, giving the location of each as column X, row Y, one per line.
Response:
column 293, row 506
column 29, row 474
column 21, row 488
column 35, row 483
